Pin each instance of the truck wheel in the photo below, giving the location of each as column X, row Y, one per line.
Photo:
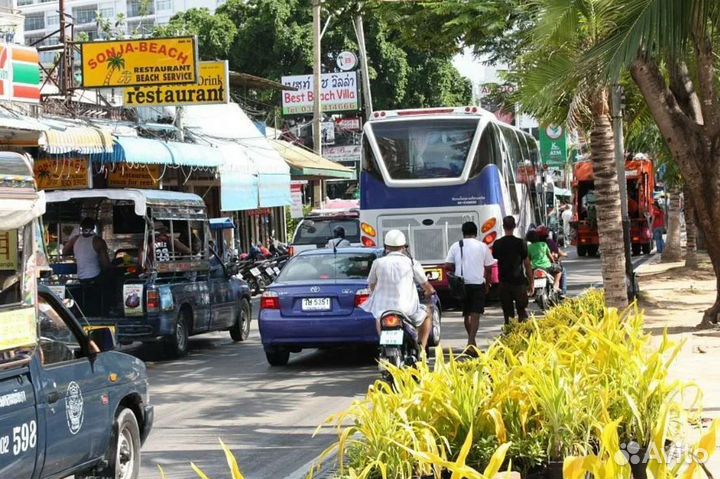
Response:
column 126, row 463
column 581, row 250
column 646, row 248
column 241, row 329
column 277, row 357
column 177, row 345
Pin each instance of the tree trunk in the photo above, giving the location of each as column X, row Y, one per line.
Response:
column 691, row 260
column 609, row 217
column 673, row 248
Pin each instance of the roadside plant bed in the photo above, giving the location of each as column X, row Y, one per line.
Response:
column 583, row 387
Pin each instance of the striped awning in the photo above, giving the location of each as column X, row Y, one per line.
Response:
column 85, row 140
column 147, row 151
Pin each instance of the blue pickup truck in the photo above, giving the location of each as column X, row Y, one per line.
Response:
column 69, row 403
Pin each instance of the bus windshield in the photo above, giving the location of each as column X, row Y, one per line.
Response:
column 425, row 149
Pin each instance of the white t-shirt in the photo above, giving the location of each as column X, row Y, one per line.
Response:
column 567, row 215
column 475, row 257
column 394, row 276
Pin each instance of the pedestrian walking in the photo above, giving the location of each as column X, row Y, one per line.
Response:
column 658, row 227
column 566, row 216
column 516, row 278
column 472, row 260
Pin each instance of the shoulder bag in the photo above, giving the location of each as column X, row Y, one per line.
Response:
column 457, row 283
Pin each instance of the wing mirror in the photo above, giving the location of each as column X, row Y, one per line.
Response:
column 103, row 338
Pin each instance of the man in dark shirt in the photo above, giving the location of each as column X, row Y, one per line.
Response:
column 515, row 272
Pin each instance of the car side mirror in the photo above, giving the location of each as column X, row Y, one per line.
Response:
column 103, row 338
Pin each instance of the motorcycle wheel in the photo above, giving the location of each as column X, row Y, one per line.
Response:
column 542, row 300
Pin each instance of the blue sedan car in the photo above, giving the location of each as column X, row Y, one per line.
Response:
column 315, row 303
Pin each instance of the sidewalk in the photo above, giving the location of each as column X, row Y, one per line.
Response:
column 675, row 298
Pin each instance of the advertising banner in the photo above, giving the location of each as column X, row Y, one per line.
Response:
column 144, row 176
column 62, row 174
column 17, row 328
column 8, row 251
column 553, row 145
column 296, row 209
column 338, row 92
column 19, row 73
column 342, row 153
column 212, row 89
column 132, row 299
column 146, row 62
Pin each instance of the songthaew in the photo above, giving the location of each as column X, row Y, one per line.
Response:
column 139, row 260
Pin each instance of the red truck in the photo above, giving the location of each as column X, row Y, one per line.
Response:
column 640, row 177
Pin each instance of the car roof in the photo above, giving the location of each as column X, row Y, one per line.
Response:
column 348, row 250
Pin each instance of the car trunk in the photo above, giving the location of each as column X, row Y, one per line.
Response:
column 311, row 301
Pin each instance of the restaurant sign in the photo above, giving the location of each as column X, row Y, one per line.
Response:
column 211, row 89
column 62, row 174
column 146, row 62
column 140, row 176
column 338, row 92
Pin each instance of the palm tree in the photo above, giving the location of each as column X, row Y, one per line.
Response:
column 691, row 260
column 670, row 48
column 555, row 88
column 115, row 62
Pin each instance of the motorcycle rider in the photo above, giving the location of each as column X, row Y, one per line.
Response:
column 392, row 282
column 338, row 240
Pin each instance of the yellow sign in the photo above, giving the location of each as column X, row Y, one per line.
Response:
column 145, row 176
column 8, row 250
column 150, row 61
column 62, row 174
column 17, row 328
column 211, row 89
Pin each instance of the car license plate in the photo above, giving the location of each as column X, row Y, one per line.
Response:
column 255, row 272
column 270, row 272
column 316, row 304
column 277, row 270
column 58, row 291
column 391, row 338
column 540, row 283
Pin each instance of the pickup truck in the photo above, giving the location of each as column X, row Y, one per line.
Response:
column 71, row 405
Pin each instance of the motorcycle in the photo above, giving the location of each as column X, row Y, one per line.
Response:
column 544, row 290
column 398, row 342
column 252, row 275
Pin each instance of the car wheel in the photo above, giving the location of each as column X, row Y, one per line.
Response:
column 126, row 463
column 435, row 331
column 277, row 357
column 178, row 343
column 241, row 329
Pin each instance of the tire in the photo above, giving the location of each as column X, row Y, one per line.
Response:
column 277, row 357
column 542, row 300
column 241, row 329
column 177, row 345
column 581, row 250
column 647, row 248
column 436, row 331
column 593, row 250
column 126, row 461
column 635, row 249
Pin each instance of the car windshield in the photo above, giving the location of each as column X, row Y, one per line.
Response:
column 425, row 149
column 319, row 231
column 327, row 266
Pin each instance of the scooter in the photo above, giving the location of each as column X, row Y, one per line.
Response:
column 544, row 290
column 398, row 342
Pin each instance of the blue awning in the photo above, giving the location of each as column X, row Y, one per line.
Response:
column 274, row 190
column 146, row 151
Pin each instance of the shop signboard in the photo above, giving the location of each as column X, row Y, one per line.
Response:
column 19, row 73
column 144, row 62
column 62, row 173
column 296, row 209
column 338, row 92
column 8, row 251
column 347, row 153
column 212, row 89
column 553, row 145
column 141, row 176
column 18, row 327
column 352, row 124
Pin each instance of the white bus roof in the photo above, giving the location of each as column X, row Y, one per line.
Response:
column 425, row 112
column 141, row 198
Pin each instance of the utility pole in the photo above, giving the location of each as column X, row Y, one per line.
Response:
column 364, row 69
column 616, row 96
column 66, row 65
column 317, row 107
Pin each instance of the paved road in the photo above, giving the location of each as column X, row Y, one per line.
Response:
column 268, row 415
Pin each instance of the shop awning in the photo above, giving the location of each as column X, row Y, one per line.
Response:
column 238, row 179
column 305, row 163
column 147, row 151
column 80, row 139
column 20, row 131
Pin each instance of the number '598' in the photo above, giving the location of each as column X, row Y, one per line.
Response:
column 24, row 437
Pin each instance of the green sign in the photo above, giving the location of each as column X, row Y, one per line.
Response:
column 553, row 145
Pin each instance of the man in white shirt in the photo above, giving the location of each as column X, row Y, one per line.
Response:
column 566, row 219
column 392, row 282
column 473, row 262
column 338, row 240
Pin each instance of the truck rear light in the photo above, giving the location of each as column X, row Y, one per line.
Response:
column 489, row 239
column 269, row 300
column 361, row 296
column 152, row 300
column 488, row 225
column 368, row 242
column 368, row 230
column 291, row 251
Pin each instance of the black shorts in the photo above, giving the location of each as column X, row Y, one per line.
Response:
column 474, row 302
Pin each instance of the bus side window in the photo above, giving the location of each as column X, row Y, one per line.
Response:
column 369, row 163
column 488, row 151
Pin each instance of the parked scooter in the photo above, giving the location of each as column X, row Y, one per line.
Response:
column 544, row 291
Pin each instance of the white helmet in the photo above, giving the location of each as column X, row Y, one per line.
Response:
column 395, row 238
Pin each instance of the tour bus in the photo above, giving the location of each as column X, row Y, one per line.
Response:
column 426, row 172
